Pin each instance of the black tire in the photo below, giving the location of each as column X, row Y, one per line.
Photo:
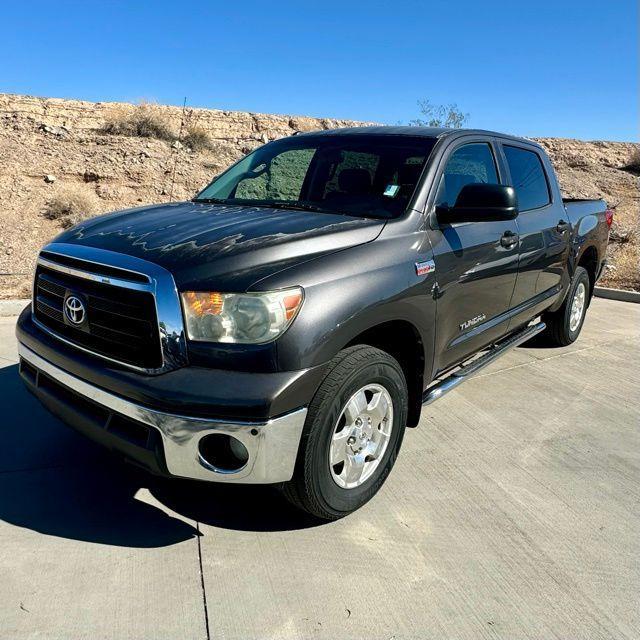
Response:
column 558, row 332
column 312, row 488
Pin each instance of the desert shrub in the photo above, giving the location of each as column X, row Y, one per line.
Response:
column 439, row 115
column 622, row 267
column 622, row 234
column 145, row 121
column 197, row 139
column 633, row 165
column 71, row 205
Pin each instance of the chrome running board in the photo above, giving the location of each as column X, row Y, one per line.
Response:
column 466, row 371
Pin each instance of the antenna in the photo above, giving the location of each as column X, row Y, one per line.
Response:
column 175, row 162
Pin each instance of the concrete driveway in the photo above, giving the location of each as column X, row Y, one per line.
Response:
column 513, row 512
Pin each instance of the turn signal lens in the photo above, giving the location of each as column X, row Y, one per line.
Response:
column 291, row 305
column 247, row 318
column 203, row 303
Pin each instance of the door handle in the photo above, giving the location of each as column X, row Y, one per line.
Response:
column 562, row 226
column 509, row 239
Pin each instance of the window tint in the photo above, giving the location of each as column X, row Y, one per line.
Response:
column 528, row 178
column 469, row 164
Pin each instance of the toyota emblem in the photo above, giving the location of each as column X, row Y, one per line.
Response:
column 74, row 310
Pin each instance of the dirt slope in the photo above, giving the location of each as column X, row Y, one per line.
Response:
column 50, row 148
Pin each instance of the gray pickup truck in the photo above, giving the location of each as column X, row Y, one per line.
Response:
column 290, row 321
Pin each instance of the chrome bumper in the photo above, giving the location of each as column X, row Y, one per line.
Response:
column 272, row 445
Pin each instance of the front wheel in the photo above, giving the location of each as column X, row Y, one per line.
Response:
column 352, row 435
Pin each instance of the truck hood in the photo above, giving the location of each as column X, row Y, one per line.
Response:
column 227, row 247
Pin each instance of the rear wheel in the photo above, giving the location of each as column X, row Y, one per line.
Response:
column 352, row 435
column 565, row 324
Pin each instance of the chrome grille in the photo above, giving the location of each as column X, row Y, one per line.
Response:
column 121, row 323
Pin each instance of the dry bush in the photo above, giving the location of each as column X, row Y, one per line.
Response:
column 145, row 121
column 633, row 166
column 197, row 139
column 622, row 235
column 439, row 115
column 71, row 205
column 624, row 268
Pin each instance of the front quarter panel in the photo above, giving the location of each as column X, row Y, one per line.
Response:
column 353, row 290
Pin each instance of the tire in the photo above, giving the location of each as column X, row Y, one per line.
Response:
column 331, row 491
column 563, row 325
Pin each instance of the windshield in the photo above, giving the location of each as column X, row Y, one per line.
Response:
column 359, row 175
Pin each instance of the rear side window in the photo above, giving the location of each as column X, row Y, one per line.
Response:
column 469, row 164
column 528, row 177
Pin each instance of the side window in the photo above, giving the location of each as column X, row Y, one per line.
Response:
column 528, row 178
column 469, row 164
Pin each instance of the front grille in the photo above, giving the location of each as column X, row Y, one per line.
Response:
column 121, row 323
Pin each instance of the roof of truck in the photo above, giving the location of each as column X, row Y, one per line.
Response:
column 424, row 132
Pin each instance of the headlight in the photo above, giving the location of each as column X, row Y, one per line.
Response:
column 246, row 318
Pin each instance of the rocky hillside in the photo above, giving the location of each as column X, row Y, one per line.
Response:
column 64, row 159
column 602, row 169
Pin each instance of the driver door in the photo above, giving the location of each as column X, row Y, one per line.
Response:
column 476, row 262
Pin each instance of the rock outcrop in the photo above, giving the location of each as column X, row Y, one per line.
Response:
column 51, row 145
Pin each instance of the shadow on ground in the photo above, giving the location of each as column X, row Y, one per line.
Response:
column 54, row 481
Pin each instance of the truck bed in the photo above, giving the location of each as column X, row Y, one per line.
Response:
column 581, row 207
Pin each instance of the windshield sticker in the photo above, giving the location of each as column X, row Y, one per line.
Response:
column 391, row 190
column 424, row 268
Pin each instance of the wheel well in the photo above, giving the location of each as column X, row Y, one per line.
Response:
column 589, row 261
column 401, row 340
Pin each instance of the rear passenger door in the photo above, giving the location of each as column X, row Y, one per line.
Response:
column 476, row 262
column 543, row 226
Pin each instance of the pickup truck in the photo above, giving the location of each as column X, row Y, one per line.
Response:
column 287, row 324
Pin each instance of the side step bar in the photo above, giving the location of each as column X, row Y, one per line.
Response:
column 465, row 372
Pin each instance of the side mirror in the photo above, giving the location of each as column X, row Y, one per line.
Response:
column 481, row 202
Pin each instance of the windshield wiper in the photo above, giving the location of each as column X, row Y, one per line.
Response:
column 302, row 206
column 211, row 200
column 295, row 205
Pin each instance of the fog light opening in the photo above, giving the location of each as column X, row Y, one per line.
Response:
column 223, row 453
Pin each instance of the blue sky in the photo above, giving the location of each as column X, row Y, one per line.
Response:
column 553, row 68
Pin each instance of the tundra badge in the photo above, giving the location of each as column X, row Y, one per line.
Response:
column 424, row 268
column 473, row 321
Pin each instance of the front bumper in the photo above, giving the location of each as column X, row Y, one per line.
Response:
column 160, row 441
